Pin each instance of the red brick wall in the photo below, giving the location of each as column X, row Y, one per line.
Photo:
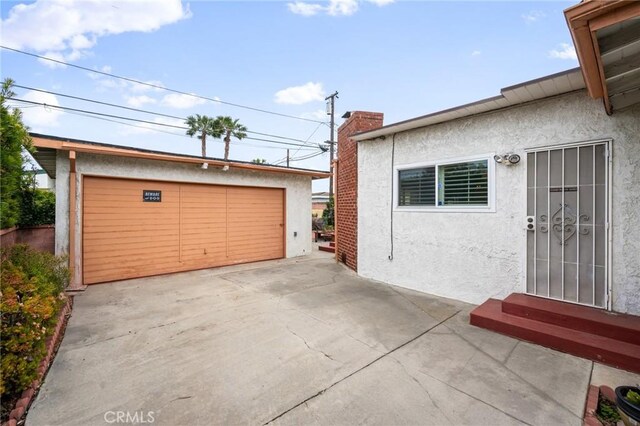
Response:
column 347, row 184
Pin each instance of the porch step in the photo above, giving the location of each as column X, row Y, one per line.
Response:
column 593, row 346
column 329, row 248
column 332, row 244
column 582, row 318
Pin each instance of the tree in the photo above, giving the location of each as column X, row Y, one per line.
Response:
column 259, row 161
column 206, row 126
column 14, row 136
column 230, row 127
column 328, row 213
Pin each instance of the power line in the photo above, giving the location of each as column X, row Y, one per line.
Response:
column 156, row 86
column 101, row 114
column 159, row 114
column 168, row 133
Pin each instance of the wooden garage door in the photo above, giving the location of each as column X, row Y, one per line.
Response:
column 190, row 227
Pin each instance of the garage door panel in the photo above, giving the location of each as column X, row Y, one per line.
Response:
column 193, row 226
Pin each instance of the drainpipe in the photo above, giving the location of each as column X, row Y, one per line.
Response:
column 334, row 178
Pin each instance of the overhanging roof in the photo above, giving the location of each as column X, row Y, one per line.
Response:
column 606, row 35
column 552, row 85
column 46, row 147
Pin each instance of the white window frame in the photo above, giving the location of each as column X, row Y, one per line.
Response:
column 491, row 186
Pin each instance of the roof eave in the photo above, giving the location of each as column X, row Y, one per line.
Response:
column 42, row 141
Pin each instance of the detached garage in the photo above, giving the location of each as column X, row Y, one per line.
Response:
column 127, row 213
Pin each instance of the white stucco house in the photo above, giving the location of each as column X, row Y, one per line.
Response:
column 535, row 191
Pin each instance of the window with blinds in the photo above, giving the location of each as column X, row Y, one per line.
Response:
column 463, row 184
column 417, row 187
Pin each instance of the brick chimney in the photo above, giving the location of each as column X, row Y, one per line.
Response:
column 347, row 184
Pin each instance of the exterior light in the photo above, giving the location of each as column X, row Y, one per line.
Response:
column 204, row 166
column 507, row 159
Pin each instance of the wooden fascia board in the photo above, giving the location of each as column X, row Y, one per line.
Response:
column 628, row 11
column 584, row 20
column 89, row 149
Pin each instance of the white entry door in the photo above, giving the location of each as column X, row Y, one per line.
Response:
column 567, row 223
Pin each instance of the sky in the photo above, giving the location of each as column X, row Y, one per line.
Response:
column 402, row 58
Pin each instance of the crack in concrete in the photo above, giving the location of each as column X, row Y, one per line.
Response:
column 510, row 353
column 308, row 346
column 410, row 301
column 537, row 391
column 360, row 369
column 473, row 397
column 180, row 398
column 333, row 326
column 426, row 391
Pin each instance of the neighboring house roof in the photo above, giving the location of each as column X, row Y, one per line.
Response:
column 46, row 147
column 320, row 197
column 552, row 85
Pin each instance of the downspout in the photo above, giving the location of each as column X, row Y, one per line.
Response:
column 334, row 177
column 393, row 153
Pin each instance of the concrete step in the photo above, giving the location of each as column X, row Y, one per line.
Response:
column 619, row 354
column 330, row 249
column 621, row 327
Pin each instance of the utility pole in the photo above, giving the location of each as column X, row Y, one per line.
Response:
column 287, row 158
column 331, row 111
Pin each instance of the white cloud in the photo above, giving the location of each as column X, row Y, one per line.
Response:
column 138, row 101
column 180, row 101
column 38, row 117
column 305, row 9
column 381, row 2
column 68, row 28
column 533, row 16
column 342, row 7
column 476, row 53
column 298, row 95
column 565, row 51
column 53, row 65
column 141, row 88
column 334, row 8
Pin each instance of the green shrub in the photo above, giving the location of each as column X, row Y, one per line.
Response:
column 32, row 285
column 328, row 213
column 37, row 206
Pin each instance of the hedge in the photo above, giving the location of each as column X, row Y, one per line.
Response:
column 32, row 290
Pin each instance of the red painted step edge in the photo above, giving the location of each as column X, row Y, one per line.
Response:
column 608, row 351
column 582, row 318
column 327, row 249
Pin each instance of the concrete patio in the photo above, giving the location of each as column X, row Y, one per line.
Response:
column 298, row 341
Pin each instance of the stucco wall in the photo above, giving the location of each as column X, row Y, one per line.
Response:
column 474, row 256
column 298, row 191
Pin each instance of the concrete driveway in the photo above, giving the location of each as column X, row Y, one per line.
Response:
column 298, row 341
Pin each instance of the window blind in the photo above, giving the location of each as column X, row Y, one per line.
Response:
column 417, row 187
column 463, row 184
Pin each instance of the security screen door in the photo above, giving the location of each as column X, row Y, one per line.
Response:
column 567, row 223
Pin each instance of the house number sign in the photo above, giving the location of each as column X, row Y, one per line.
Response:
column 151, row 196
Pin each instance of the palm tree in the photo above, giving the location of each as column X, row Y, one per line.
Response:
column 230, row 127
column 206, row 126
